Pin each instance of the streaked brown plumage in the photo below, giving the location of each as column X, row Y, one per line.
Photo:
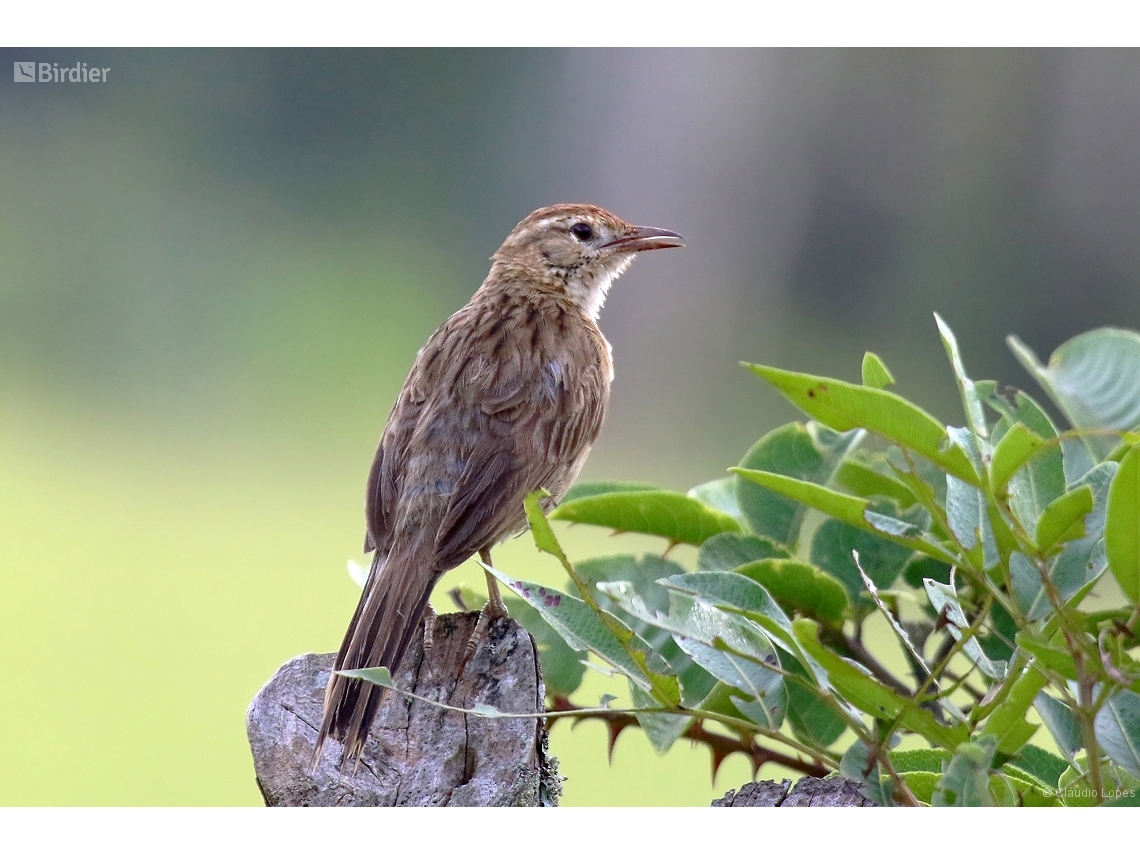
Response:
column 505, row 398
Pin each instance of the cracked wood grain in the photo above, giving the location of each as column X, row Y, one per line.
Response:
column 416, row 754
column 807, row 792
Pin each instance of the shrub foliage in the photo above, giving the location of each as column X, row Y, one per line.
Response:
column 1001, row 557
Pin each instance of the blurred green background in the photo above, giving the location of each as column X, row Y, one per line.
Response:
column 216, row 269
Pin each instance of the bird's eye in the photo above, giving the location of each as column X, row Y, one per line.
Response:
column 582, row 231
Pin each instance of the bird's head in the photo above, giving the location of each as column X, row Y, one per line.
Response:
column 578, row 250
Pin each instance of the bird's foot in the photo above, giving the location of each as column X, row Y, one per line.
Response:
column 492, row 610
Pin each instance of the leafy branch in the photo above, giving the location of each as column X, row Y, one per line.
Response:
column 991, row 534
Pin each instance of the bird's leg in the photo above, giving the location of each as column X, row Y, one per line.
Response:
column 494, row 598
column 429, row 628
column 493, row 609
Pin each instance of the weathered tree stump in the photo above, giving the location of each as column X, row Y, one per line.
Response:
column 807, row 792
column 416, row 754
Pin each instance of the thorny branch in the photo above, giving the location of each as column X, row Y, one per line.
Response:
column 721, row 745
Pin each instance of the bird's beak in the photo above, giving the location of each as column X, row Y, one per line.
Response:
column 642, row 238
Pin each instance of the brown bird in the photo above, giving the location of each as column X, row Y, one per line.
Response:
column 505, row 398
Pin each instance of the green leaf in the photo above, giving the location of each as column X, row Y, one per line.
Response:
column 921, row 784
column 583, row 489
column 562, row 668
column 380, row 676
column 924, row 567
column 864, row 480
column 674, row 516
column 1041, row 764
column 1028, row 589
column 1003, row 792
column 883, row 559
column 875, row 372
column 1000, row 631
column 1060, row 722
column 904, row 638
column 1076, row 789
column 966, row 506
column 1093, row 378
column 578, row 624
column 726, row 552
column 540, row 530
column 975, row 415
column 1079, row 563
column 1122, row 527
column 697, row 626
column 740, row 594
column 1063, row 518
column 662, row 729
column 768, row 711
column 720, row 495
column 920, row 760
column 868, row 695
column 944, row 599
column 856, row 765
column 844, row 406
column 643, row 573
column 1118, row 729
column 800, row 587
column 1042, row 478
column 966, row 782
column 736, row 591
column 1016, row 447
column 814, row 722
column 1057, row 659
column 851, row 510
column 807, row 453
column 1006, row 722
column 1077, row 459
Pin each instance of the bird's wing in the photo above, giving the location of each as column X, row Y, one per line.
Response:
column 388, row 466
column 534, row 426
column 484, row 419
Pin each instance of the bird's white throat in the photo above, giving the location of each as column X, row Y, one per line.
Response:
column 588, row 290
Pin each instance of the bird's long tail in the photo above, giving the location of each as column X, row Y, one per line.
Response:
column 385, row 621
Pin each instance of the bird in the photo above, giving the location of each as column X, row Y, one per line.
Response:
column 507, row 397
